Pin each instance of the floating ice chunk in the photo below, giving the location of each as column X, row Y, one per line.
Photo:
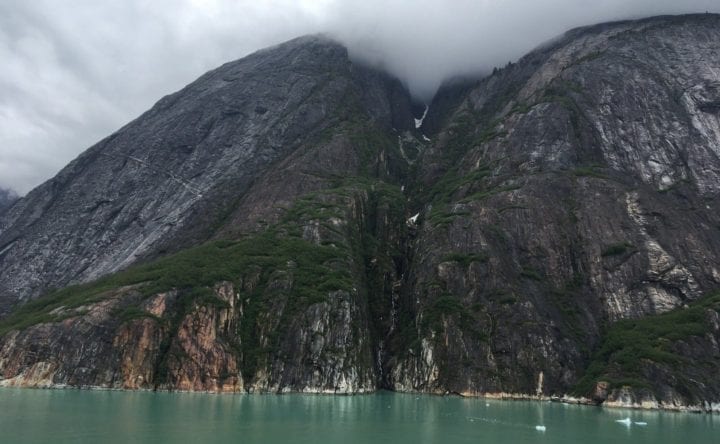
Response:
column 540, row 428
column 625, row 421
column 641, row 423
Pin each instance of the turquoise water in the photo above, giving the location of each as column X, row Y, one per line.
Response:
column 41, row 416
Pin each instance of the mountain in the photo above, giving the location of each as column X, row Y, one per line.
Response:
column 281, row 225
column 7, row 198
column 166, row 180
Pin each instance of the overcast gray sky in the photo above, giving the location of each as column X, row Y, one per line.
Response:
column 73, row 71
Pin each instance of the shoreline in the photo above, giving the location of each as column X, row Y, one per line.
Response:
column 644, row 405
column 710, row 408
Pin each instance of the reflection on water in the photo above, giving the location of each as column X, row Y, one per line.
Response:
column 103, row 416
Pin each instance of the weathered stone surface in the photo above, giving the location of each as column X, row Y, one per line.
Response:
column 163, row 181
column 572, row 197
column 561, row 196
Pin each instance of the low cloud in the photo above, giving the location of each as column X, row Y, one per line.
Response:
column 75, row 71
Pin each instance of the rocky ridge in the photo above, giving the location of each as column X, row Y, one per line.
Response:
column 556, row 237
column 168, row 178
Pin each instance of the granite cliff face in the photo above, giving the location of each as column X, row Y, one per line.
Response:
column 281, row 225
column 167, row 179
column 566, row 193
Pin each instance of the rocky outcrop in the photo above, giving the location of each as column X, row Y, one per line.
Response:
column 661, row 361
column 164, row 345
column 549, row 232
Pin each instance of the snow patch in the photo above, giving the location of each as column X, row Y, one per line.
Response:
column 419, row 122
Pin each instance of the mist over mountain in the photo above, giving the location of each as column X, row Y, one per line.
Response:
column 73, row 73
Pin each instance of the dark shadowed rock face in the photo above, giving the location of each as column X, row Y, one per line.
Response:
column 283, row 227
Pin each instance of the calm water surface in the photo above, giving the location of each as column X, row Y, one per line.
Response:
column 41, row 416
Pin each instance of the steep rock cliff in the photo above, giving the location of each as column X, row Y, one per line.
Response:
column 566, row 193
column 166, row 180
column 557, row 234
column 287, row 309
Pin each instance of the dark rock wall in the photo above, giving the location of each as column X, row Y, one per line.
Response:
column 167, row 179
column 558, row 199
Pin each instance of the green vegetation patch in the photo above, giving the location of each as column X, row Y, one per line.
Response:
column 455, row 187
column 589, row 171
column 446, row 188
column 316, row 270
column 480, row 195
column 439, row 218
column 446, row 307
column 369, row 142
column 629, row 345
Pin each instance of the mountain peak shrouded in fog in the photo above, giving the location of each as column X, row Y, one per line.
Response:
column 72, row 72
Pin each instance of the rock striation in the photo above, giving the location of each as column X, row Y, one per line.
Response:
column 549, row 231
